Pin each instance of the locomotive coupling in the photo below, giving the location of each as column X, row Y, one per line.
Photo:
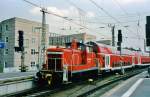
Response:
column 49, row 78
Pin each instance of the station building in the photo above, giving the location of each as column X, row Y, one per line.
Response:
column 10, row 60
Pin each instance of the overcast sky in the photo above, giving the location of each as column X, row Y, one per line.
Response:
column 128, row 15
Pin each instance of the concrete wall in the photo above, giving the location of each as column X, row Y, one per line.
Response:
column 14, row 87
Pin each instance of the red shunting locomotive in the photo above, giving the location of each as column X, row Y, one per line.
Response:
column 78, row 60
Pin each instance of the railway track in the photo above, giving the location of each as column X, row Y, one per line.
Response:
column 78, row 92
column 108, row 83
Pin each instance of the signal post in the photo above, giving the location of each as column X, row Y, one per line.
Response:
column 119, row 49
column 23, row 68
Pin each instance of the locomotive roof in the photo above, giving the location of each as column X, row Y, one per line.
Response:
column 79, row 44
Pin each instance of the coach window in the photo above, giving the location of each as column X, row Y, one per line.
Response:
column 107, row 60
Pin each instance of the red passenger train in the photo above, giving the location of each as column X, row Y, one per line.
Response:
column 78, row 60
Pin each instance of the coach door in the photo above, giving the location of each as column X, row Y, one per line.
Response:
column 133, row 60
column 139, row 59
column 107, row 61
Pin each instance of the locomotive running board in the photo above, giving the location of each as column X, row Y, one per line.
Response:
column 67, row 82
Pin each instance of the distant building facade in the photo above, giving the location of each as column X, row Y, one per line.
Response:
column 11, row 60
column 60, row 40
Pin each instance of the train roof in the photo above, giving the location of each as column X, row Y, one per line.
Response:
column 107, row 49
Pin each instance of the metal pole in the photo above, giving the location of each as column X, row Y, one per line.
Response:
column 122, row 69
column 144, row 45
column 23, row 68
column 43, row 38
column 113, row 35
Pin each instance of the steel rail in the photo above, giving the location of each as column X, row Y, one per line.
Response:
column 109, row 82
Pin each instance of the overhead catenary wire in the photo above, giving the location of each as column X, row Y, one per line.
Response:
column 68, row 19
column 33, row 4
column 54, row 14
column 126, row 13
column 107, row 13
column 106, row 23
column 81, row 10
column 84, row 12
column 63, row 17
column 99, row 7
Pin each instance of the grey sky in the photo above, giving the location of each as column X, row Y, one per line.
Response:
column 128, row 12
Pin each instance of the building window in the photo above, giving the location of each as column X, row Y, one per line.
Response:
column 52, row 41
column 5, row 65
column 32, row 64
column 57, row 40
column 65, row 40
column 6, row 51
column 7, row 28
column 32, row 29
column 6, row 40
column 0, row 28
column 68, row 39
column 26, row 43
column 33, row 40
column 32, row 51
column 0, row 35
column 36, row 29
